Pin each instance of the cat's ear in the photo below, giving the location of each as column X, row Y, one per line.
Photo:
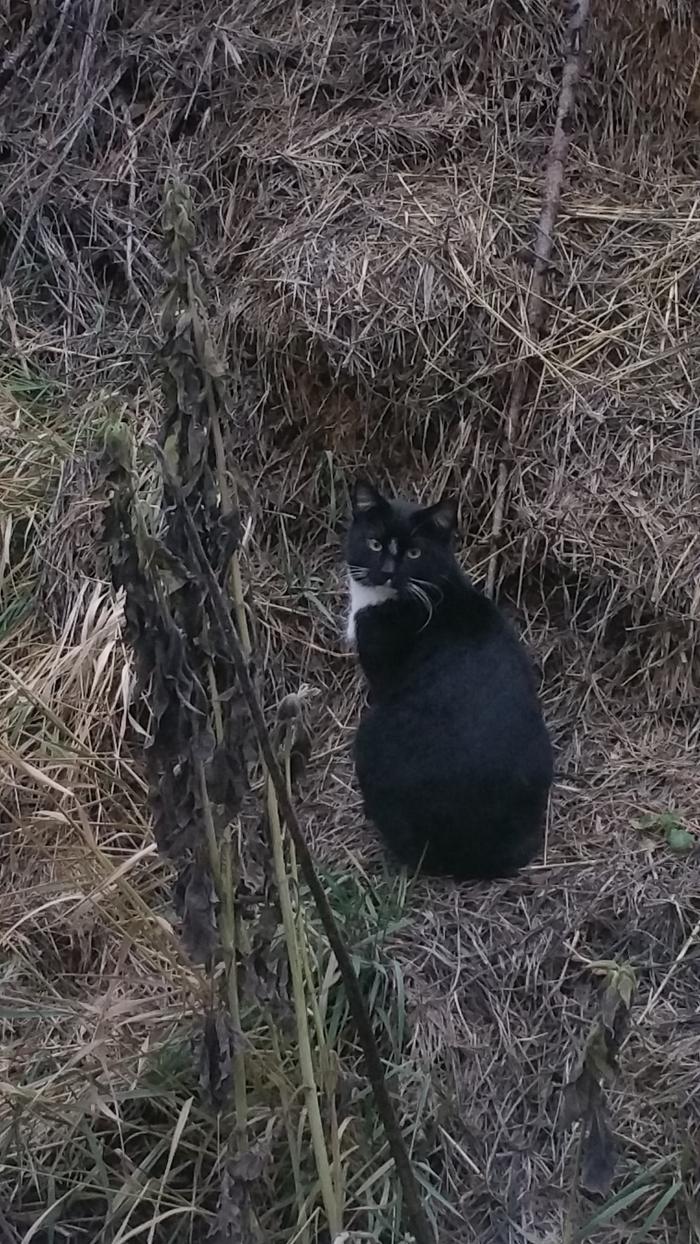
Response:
column 442, row 516
column 364, row 497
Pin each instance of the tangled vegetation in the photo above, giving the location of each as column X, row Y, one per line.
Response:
column 365, row 185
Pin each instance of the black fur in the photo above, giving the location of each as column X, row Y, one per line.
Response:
column 453, row 757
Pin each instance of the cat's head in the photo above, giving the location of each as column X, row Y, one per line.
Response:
column 392, row 543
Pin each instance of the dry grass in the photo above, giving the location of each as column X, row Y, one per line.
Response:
column 367, row 179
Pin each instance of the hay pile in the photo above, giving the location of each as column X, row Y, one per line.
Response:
column 367, row 179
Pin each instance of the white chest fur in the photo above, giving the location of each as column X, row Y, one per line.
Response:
column 363, row 596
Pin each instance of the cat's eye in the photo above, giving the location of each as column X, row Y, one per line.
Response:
column 375, row 545
column 413, row 553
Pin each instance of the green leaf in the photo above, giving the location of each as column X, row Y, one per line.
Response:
column 679, row 839
column 612, row 1207
column 670, row 826
column 660, row 822
column 664, row 1201
column 626, row 985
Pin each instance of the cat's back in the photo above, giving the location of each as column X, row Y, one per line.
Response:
column 467, row 688
column 466, row 649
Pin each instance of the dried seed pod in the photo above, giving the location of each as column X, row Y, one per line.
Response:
column 294, row 737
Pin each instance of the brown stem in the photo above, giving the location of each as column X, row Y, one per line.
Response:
column 536, row 304
column 375, row 1071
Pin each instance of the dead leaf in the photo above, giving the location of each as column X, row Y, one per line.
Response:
column 599, row 1154
column 198, row 913
column 232, row 1225
column 216, row 1052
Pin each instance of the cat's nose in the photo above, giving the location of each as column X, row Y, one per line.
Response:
column 388, row 567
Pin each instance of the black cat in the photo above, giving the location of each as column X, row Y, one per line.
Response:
column 452, row 755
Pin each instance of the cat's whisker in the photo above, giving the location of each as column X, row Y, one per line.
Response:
column 423, row 599
column 419, row 593
column 431, row 587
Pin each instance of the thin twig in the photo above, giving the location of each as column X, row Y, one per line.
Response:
column 536, row 303
column 17, row 54
column 200, row 564
column 42, row 193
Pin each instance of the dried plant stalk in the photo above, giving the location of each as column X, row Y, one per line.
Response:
column 196, row 752
column 200, row 566
column 536, row 304
column 186, row 306
column 194, row 452
column 329, row 1193
column 584, row 1101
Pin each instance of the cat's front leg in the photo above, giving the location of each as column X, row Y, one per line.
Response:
column 385, row 635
